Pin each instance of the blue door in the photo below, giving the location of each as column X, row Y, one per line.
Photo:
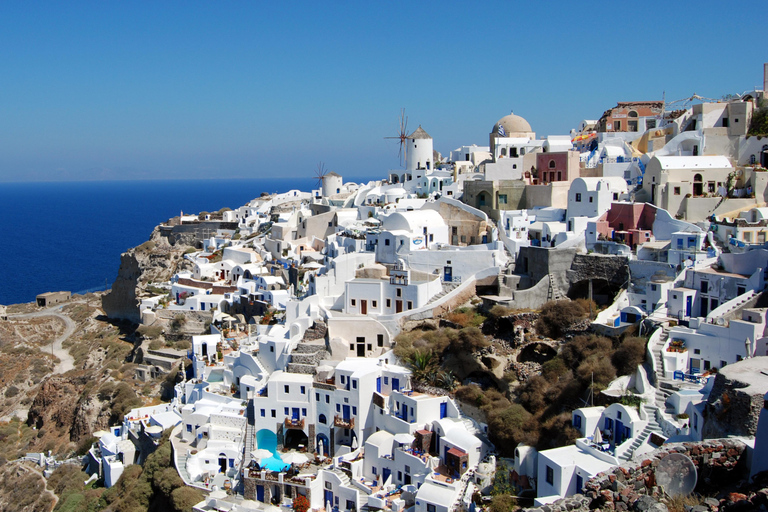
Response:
column 618, row 432
column 260, row 493
column 295, row 413
column 443, row 409
column 327, row 498
column 378, row 384
column 448, row 274
column 345, row 412
column 385, row 475
column 404, row 412
column 579, row 483
column 395, row 384
column 688, row 301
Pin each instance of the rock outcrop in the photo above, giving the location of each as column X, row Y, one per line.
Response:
column 153, row 261
column 64, row 404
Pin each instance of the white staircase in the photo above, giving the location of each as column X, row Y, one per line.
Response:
column 652, row 427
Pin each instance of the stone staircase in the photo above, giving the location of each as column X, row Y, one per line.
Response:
column 553, row 292
column 181, row 466
column 447, row 288
column 651, row 428
column 305, row 357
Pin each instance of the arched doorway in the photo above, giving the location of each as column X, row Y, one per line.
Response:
column 323, row 445
column 697, row 185
column 295, row 438
column 223, row 462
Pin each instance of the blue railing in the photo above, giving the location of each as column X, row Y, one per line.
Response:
column 687, row 377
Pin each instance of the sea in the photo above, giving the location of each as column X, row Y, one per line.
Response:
column 69, row 235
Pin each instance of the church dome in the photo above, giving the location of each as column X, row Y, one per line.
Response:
column 513, row 126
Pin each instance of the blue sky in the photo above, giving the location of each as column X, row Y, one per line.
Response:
column 136, row 90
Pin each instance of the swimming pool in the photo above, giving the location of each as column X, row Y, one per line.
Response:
column 267, row 440
column 215, row 376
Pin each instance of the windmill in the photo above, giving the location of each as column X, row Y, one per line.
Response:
column 402, row 136
column 320, row 173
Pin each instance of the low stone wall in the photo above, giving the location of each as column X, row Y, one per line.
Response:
column 634, row 487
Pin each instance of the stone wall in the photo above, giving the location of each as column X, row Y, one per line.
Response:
column 731, row 411
column 634, row 487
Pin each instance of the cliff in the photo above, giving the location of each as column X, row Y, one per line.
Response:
column 154, row 261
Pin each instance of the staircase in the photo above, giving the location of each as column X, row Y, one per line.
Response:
column 342, row 476
column 447, row 288
column 664, row 386
column 305, row 357
column 553, row 293
column 651, row 428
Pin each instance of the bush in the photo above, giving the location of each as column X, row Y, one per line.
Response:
column 556, row 317
column 499, row 311
column 300, row 503
column 581, row 347
column 146, row 246
column 629, row 355
column 507, row 428
column 184, row 498
column 465, row 317
column 155, row 345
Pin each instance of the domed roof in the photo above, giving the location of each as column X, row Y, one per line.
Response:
column 513, row 124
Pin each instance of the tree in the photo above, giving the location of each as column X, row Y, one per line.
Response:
column 184, row 498
column 759, row 124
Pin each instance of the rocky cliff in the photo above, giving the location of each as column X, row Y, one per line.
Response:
column 154, row 261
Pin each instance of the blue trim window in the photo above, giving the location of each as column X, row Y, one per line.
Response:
column 263, row 413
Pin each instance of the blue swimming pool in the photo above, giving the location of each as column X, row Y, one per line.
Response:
column 267, row 440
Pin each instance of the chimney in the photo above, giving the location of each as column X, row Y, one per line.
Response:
column 765, row 77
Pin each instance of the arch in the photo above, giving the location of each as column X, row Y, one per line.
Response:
column 247, row 274
column 552, row 164
column 322, row 419
column 632, row 113
column 698, row 186
column 322, row 444
column 295, row 437
column 482, row 199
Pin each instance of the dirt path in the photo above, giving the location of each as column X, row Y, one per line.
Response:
column 66, row 361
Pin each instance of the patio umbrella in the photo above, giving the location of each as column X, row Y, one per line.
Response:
column 294, row 458
column 261, row 453
column 404, row 438
column 433, row 462
column 597, row 437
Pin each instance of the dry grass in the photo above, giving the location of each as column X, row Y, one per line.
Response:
column 679, row 503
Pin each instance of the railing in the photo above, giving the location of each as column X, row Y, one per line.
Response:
column 338, row 421
column 687, row 377
column 293, row 423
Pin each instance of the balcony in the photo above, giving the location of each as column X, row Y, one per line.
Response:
column 294, row 423
column 338, row 421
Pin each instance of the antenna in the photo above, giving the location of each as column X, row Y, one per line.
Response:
column 402, row 136
column 676, row 475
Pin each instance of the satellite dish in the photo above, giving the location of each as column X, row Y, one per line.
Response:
column 676, row 475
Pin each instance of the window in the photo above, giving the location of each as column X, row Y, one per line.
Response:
column 271, row 348
column 354, row 383
column 551, row 164
column 725, row 122
column 274, row 413
column 389, row 303
column 287, row 389
column 407, row 469
column 303, row 411
column 431, row 508
column 577, row 421
column 338, row 407
column 386, row 241
column 327, row 399
column 697, row 351
column 502, row 198
column 617, row 124
column 317, row 397
column 591, row 198
column 398, row 292
column 374, row 303
column 352, row 302
column 431, row 237
column 373, row 470
column 386, row 381
column 189, row 427
column 618, row 415
column 550, row 476
column 704, row 287
column 410, row 304
column 341, row 378
column 354, row 410
column 677, row 191
column 370, row 347
column 578, row 197
column 616, row 197
column 303, row 390
column 653, row 287
column 380, row 340
column 287, row 411
column 263, row 413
